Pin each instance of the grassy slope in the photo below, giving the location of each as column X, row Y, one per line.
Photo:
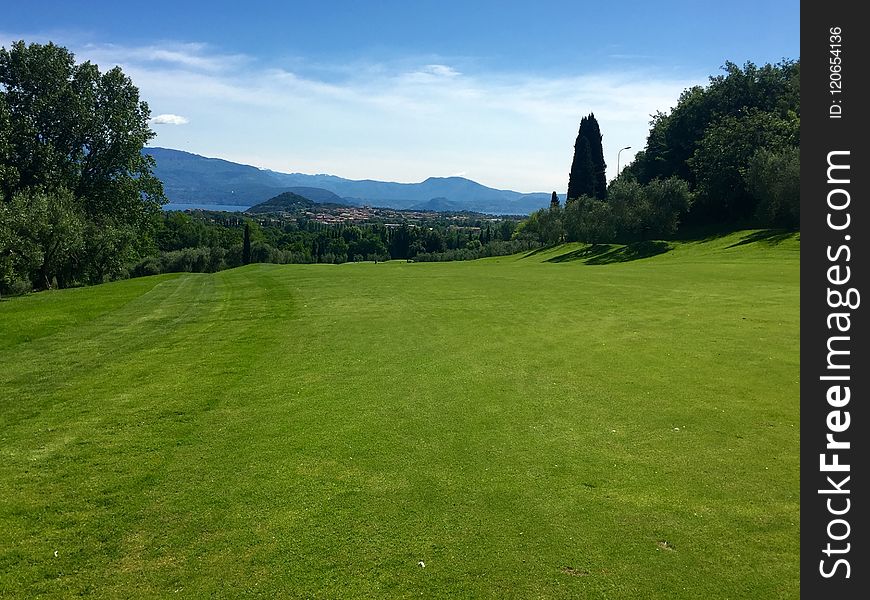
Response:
column 528, row 429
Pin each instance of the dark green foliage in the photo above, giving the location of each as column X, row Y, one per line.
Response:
column 592, row 132
column 667, row 201
column 636, row 169
column 723, row 154
column 587, row 174
column 544, row 226
column 400, row 242
column 629, row 206
column 675, row 136
column 246, row 245
column 496, row 248
column 367, row 247
column 506, row 230
column 42, row 238
column 70, row 163
column 581, row 181
column 653, row 210
column 212, row 241
column 554, row 200
column 709, row 138
column 774, row 178
column 147, row 266
column 590, row 220
column 286, row 202
column 631, row 212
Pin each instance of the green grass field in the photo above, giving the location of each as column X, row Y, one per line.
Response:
column 527, row 427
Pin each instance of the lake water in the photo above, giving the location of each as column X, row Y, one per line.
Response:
column 225, row 207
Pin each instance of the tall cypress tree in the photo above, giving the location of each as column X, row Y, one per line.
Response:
column 246, row 246
column 554, row 200
column 593, row 134
column 580, row 180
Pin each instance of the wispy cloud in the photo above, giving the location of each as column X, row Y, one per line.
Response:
column 169, row 119
column 441, row 71
column 402, row 121
column 198, row 57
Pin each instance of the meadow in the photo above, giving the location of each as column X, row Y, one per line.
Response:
column 575, row 422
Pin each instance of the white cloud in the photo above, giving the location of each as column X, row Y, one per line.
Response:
column 441, row 70
column 198, row 57
column 396, row 122
column 168, row 119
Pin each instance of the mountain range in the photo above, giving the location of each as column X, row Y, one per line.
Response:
column 197, row 180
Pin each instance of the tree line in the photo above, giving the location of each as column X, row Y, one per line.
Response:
column 204, row 241
column 726, row 156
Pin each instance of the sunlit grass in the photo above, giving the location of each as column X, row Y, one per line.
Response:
column 524, row 427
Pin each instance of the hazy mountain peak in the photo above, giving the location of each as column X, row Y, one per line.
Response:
column 193, row 179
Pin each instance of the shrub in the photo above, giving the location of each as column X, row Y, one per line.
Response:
column 150, row 265
column 589, row 220
column 773, row 178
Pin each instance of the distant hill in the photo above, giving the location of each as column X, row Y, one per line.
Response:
column 286, row 202
column 439, row 205
column 193, row 179
column 318, row 195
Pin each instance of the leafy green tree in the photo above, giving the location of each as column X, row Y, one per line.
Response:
column 261, row 252
column 629, row 206
column 368, row 247
column 551, row 229
column 506, row 230
column 589, row 220
column 668, row 201
column 433, row 241
column 773, row 178
column 722, row 156
column 554, row 200
column 641, row 212
column 543, row 226
column 8, row 173
column 400, row 242
column 43, row 237
column 68, row 130
column 674, row 137
column 338, row 248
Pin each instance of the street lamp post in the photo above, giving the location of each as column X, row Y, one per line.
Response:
column 617, row 159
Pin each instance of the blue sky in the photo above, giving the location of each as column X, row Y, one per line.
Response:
column 400, row 91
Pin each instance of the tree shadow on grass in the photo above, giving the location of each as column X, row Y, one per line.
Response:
column 768, row 237
column 605, row 254
column 582, row 253
column 701, row 234
column 531, row 253
column 631, row 252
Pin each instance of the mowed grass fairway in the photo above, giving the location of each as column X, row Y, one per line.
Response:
column 528, row 427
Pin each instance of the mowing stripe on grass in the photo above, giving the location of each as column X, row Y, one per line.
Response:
column 525, row 428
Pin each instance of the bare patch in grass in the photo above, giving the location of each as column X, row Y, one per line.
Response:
column 575, row 572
